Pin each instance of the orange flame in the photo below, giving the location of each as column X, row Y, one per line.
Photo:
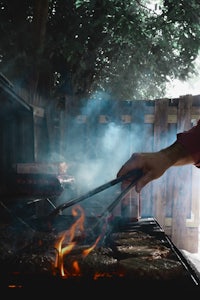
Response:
column 87, row 251
column 66, row 243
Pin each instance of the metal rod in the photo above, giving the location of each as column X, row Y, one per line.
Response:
column 120, row 197
column 16, row 217
column 41, row 199
column 105, row 215
column 134, row 173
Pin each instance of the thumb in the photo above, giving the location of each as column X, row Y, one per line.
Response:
column 144, row 180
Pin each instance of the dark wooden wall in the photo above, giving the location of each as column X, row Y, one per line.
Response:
column 16, row 132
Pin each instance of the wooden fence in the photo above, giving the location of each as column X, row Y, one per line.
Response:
column 76, row 134
column 173, row 199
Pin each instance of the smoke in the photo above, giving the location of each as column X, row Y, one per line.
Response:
column 102, row 160
column 98, row 144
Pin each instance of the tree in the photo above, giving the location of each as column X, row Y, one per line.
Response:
column 126, row 49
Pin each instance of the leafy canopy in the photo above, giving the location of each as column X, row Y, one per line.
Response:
column 128, row 49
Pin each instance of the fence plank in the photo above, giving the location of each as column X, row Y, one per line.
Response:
column 160, row 131
column 182, row 200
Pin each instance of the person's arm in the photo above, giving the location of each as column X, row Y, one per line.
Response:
column 154, row 164
column 177, row 155
column 185, row 150
column 190, row 140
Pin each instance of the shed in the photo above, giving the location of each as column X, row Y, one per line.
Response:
column 16, row 131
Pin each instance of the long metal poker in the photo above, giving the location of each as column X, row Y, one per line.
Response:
column 134, row 173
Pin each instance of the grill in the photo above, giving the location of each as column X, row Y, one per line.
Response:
column 115, row 259
column 129, row 255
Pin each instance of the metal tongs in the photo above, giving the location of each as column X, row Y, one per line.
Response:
column 136, row 174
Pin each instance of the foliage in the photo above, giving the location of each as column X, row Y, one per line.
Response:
column 124, row 48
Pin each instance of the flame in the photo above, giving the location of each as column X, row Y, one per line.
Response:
column 87, row 251
column 66, row 243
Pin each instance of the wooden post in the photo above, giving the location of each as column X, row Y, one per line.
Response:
column 160, row 141
column 182, row 197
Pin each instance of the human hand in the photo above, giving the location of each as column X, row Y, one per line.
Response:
column 152, row 165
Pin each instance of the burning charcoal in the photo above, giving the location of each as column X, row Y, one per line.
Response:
column 99, row 261
column 68, row 255
column 24, row 252
column 33, row 263
column 41, row 242
column 11, row 241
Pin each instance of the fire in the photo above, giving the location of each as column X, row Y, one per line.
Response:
column 66, row 242
column 87, row 251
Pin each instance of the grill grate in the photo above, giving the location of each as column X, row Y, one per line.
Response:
column 98, row 260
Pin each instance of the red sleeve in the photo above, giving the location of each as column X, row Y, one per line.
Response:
column 191, row 141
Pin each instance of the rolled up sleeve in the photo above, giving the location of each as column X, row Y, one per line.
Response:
column 191, row 142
